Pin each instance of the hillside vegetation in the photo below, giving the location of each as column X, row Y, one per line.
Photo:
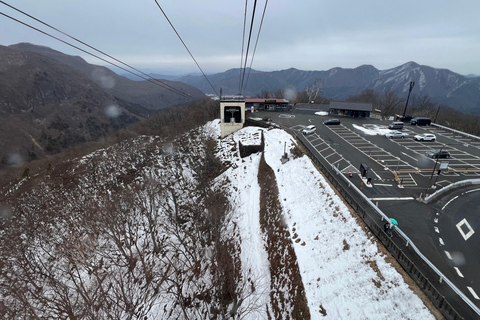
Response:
column 51, row 102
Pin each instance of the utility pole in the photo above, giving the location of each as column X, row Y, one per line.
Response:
column 436, row 114
column 412, row 83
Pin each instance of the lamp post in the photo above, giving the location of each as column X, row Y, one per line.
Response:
column 412, row 83
column 433, row 171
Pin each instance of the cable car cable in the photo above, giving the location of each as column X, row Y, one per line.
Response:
column 111, row 57
column 243, row 46
column 191, row 55
column 89, row 53
column 256, row 43
column 249, row 39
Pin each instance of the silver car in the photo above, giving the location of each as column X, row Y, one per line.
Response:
column 309, row 129
column 395, row 135
column 425, row 137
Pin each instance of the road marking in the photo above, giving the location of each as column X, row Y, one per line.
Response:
column 449, row 256
column 435, row 220
column 473, row 293
column 441, row 241
column 407, row 155
column 376, row 174
column 406, row 198
column 469, row 233
column 449, row 202
column 381, row 184
column 436, row 230
column 472, row 190
column 458, row 271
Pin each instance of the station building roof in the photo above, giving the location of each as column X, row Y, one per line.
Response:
column 354, row 106
column 266, row 101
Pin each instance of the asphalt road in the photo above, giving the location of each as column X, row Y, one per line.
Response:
column 446, row 231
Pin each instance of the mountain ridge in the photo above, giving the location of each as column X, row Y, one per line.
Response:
column 441, row 85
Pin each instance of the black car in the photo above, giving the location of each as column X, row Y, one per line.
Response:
column 330, row 122
column 438, row 154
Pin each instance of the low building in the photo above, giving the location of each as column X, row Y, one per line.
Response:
column 350, row 109
column 267, row 104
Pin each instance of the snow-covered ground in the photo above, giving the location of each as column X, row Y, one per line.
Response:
column 344, row 273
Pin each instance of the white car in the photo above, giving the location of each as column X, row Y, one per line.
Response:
column 395, row 135
column 309, row 129
column 425, row 137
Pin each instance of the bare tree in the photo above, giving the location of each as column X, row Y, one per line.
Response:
column 314, row 90
column 391, row 103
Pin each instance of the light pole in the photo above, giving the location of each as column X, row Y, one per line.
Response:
column 412, row 83
column 433, row 171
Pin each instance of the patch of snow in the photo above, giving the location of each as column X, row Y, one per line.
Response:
column 372, row 129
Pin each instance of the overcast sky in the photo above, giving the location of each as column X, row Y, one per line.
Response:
column 303, row 34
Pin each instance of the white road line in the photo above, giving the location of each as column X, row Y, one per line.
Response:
column 436, row 230
column 449, row 256
column 458, row 271
column 473, row 293
column 472, row 190
column 389, row 199
column 407, row 155
column 449, row 202
column 441, row 241
column 470, row 230
column 376, row 175
column 382, row 184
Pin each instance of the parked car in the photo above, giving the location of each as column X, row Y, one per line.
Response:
column 397, row 125
column 395, row 135
column 331, row 122
column 438, row 154
column 309, row 129
column 421, row 121
column 425, row 137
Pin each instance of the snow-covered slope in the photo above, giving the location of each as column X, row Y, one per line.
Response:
column 149, row 229
column 343, row 271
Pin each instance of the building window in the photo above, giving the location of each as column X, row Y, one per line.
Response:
column 232, row 114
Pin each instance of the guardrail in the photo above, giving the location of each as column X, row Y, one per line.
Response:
column 411, row 244
column 466, row 135
column 345, row 188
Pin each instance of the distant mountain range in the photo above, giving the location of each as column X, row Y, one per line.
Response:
column 441, row 85
column 50, row 101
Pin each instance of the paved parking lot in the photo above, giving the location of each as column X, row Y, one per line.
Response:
column 400, row 173
column 400, row 160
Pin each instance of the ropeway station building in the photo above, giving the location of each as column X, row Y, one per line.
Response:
column 232, row 114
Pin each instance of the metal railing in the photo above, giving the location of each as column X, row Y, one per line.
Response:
column 471, row 136
column 410, row 243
